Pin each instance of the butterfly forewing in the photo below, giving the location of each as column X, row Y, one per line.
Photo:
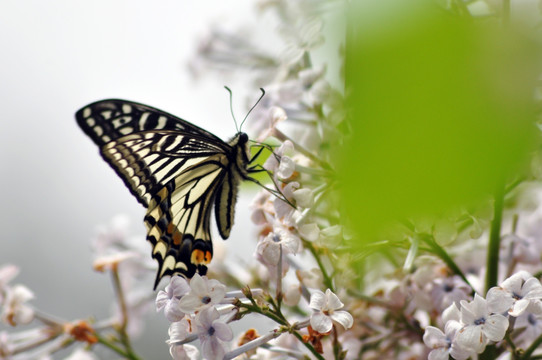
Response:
column 174, row 168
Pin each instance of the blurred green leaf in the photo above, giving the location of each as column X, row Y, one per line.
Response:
column 441, row 109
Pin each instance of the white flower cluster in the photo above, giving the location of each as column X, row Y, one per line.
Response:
column 469, row 328
column 191, row 310
column 201, row 309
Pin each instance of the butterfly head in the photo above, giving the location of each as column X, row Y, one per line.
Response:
column 242, row 151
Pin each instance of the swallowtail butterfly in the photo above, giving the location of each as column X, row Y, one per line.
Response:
column 175, row 169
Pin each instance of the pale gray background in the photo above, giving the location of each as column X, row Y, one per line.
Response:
column 55, row 57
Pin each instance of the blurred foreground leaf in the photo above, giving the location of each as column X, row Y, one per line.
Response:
column 441, row 110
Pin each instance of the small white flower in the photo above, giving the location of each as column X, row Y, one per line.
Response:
column 446, row 291
column 286, row 167
column 479, row 326
column 312, row 278
column 442, row 343
column 325, row 308
column 515, row 294
column 274, row 116
column 14, row 309
column 270, row 247
column 451, row 313
column 110, row 261
column 283, row 210
column 7, row 273
column 280, row 163
column 184, row 352
column 178, row 331
column 272, row 269
column 310, row 232
column 303, row 197
column 521, row 249
column 204, row 293
column 331, row 234
column 212, row 333
column 262, row 207
column 169, row 299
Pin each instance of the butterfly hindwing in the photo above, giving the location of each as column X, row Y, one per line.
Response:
column 175, row 169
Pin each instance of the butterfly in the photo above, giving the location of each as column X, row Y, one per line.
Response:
column 178, row 171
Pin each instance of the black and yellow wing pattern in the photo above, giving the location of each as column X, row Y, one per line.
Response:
column 177, row 170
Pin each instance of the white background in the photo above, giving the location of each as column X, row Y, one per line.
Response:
column 55, row 57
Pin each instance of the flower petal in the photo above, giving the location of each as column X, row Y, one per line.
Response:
column 222, row 331
column 321, row 323
column 495, row 327
column 519, row 307
column 189, row 303
column 198, row 285
column 333, row 302
column 178, row 331
column 173, row 312
column 178, row 286
column 532, row 289
column 344, row 318
column 161, row 300
column 472, row 338
column 212, row 348
column 439, row 354
column 434, row 338
column 499, row 300
column 318, row 300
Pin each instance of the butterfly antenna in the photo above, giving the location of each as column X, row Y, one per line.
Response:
column 252, row 108
column 231, row 108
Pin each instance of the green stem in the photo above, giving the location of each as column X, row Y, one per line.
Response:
column 495, row 239
column 269, row 314
column 308, row 346
column 116, row 348
column 441, row 253
column 489, row 353
column 124, row 338
column 327, row 279
column 282, row 321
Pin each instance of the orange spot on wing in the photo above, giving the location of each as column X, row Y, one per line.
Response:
column 201, row 257
column 175, row 234
column 177, row 238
